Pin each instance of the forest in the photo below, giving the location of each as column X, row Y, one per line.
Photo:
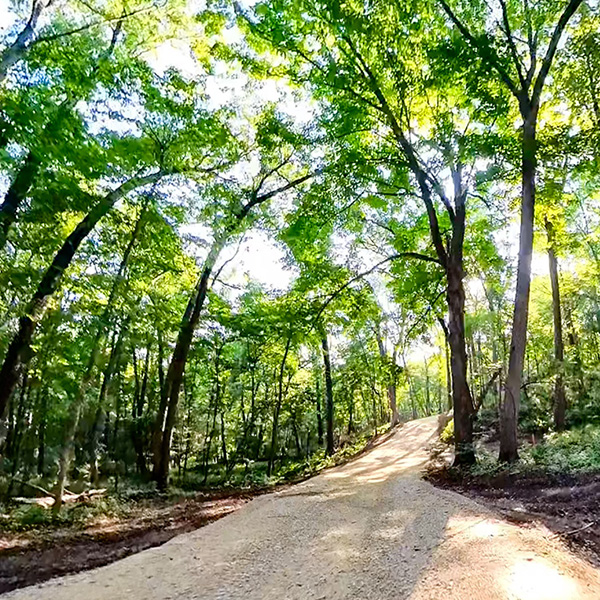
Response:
column 239, row 239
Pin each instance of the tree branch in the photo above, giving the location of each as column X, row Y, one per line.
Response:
column 411, row 157
column 335, row 294
column 538, row 86
column 483, row 52
column 511, row 45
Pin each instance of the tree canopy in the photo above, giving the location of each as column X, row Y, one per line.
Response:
column 236, row 238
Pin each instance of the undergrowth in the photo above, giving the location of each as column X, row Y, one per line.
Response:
column 15, row 518
column 24, row 517
column 576, row 451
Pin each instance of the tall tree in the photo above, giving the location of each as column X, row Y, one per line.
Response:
column 526, row 82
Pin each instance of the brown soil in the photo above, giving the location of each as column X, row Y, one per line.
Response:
column 35, row 556
column 568, row 505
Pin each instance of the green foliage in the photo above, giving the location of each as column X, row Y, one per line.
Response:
column 576, row 451
column 447, row 435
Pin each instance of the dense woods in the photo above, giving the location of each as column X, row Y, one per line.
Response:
column 237, row 238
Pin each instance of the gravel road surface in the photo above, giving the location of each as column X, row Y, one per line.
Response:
column 368, row 530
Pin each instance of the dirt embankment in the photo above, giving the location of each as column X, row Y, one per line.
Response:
column 40, row 554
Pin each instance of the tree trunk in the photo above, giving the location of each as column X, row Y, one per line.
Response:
column 224, row 441
column 16, row 195
column 216, row 397
column 560, row 400
column 351, row 412
column 328, row 395
column 139, row 398
column 391, row 384
column 512, row 391
column 448, row 373
column 273, row 449
column 174, row 376
column 100, row 412
column 19, row 350
column 14, row 452
column 41, row 432
column 461, row 394
column 319, row 410
column 159, row 421
column 427, row 390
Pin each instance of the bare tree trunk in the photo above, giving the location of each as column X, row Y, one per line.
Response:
column 560, row 399
column 512, row 391
column 328, row 395
column 273, row 449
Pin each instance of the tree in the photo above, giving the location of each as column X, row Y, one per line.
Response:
column 527, row 90
column 227, row 226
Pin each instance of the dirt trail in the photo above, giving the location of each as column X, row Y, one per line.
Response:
column 368, row 530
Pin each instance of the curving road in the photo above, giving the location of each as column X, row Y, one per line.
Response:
column 368, row 530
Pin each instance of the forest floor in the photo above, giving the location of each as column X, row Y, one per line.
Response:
column 39, row 554
column 370, row 529
column 47, row 551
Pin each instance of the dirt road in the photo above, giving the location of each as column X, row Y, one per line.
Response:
column 368, row 530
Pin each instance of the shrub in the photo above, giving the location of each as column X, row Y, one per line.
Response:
column 574, row 451
column 447, row 436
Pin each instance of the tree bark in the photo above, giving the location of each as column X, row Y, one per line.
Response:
column 217, row 398
column 16, row 195
column 273, row 449
column 159, row 421
column 391, row 384
column 427, row 390
column 41, row 432
column 319, row 409
column 448, row 374
column 461, row 394
column 328, row 395
column 560, row 400
column 512, row 391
